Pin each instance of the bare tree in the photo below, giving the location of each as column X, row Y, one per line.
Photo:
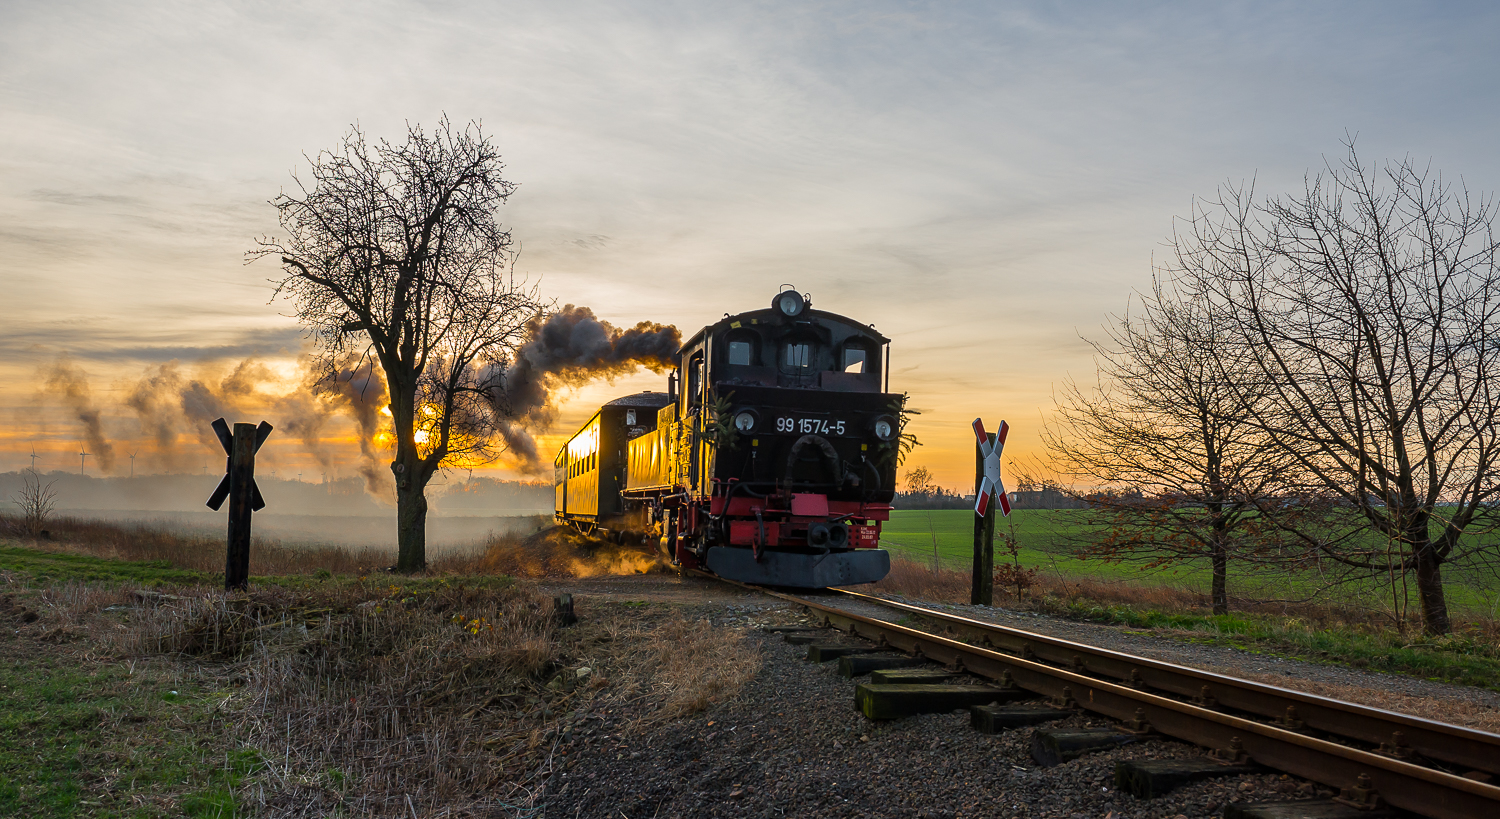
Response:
column 1172, row 461
column 1369, row 304
column 395, row 253
column 37, row 500
column 919, row 480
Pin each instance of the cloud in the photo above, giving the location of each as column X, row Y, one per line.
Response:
column 108, row 339
column 1003, row 170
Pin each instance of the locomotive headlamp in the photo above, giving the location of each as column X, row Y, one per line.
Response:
column 884, row 428
column 790, row 303
column 745, row 420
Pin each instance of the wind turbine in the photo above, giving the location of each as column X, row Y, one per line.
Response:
column 132, row 463
column 82, row 456
column 33, row 457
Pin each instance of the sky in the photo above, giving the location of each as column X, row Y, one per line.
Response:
column 987, row 183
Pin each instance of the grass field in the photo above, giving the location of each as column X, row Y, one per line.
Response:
column 138, row 688
column 1043, row 536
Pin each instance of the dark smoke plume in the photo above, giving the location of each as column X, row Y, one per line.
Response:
column 176, row 407
column 169, row 404
column 154, row 399
column 358, row 387
column 570, row 348
column 66, row 380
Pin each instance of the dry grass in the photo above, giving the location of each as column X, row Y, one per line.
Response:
column 372, row 699
column 361, row 698
column 918, row 580
column 388, row 697
column 695, row 665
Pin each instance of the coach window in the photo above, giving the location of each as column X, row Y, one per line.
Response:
column 695, row 381
column 797, row 355
column 855, row 359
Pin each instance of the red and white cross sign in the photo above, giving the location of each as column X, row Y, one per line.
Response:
column 991, row 485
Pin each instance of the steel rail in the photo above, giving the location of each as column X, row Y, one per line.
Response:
column 1440, row 742
column 1426, row 791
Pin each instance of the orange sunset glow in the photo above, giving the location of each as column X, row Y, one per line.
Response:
column 985, row 186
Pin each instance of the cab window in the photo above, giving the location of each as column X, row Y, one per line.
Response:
column 855, row 359
column 797, row 355
column 740, row 352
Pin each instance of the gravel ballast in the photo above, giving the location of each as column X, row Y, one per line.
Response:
column 791, row 744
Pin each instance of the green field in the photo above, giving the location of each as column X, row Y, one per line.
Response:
column 1045, row 543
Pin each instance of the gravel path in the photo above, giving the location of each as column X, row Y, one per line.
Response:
column 792, row 745
column 1221, row 659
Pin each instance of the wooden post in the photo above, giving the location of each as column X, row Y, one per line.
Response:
column 982, row 590
column 241, row 503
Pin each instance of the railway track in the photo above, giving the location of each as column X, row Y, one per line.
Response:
column 1370, row 756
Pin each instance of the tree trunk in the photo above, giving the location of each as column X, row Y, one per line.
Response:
column 411, row 525
column 1430, row 589
column 1220, row 558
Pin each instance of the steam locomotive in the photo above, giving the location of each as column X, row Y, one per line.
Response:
column 775, row 463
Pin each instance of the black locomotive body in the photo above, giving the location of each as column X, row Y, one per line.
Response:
column 775, row 462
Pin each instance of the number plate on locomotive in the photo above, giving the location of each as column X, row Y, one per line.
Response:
column 810, row 426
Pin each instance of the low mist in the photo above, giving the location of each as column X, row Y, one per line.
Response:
column 341, row 513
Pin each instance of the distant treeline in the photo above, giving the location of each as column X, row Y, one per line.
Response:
column 932, row 497
column 936, row 497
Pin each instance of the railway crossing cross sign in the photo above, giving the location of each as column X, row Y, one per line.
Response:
column 989, row 493
column 989, row 483
column 244, row 497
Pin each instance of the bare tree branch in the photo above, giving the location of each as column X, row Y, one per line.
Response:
column 1172, row 464
column 1368, row 306
column 395, row 252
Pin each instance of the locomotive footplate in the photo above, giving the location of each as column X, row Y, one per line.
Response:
column 795, row 569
